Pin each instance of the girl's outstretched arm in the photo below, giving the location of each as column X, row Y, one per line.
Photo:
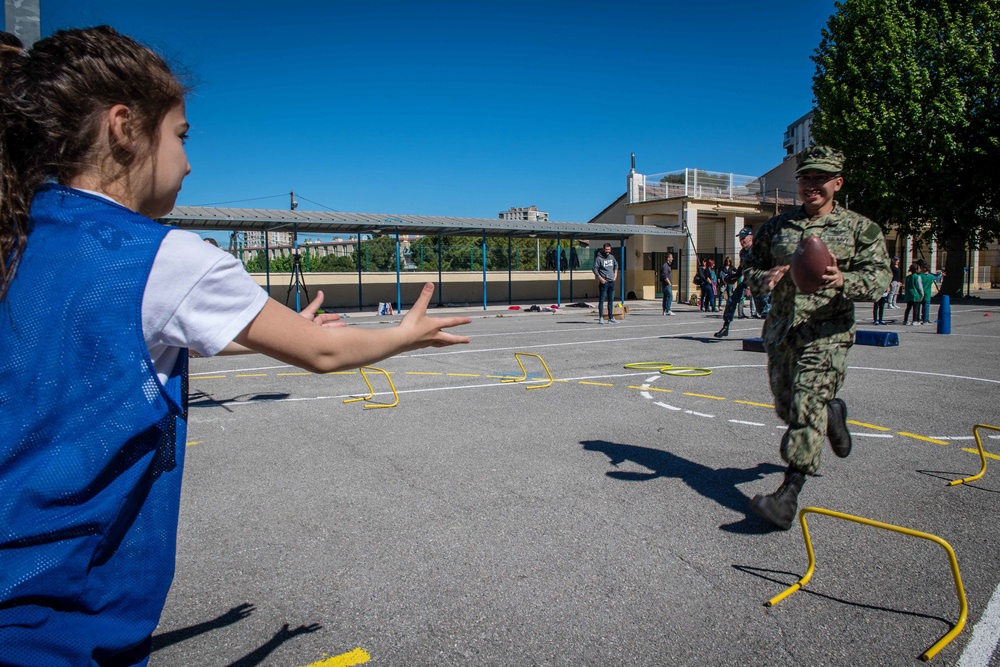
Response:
column 281, row 333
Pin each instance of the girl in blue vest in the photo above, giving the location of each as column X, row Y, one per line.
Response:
column 99, row 306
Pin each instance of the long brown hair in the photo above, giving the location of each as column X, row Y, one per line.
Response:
column 51, row 101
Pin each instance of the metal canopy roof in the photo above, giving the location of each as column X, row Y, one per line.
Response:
column 252, row 219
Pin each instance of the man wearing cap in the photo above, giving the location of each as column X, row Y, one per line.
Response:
column 807, row 336
column 746, row 242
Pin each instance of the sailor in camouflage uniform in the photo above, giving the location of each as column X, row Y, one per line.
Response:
column 807, row 336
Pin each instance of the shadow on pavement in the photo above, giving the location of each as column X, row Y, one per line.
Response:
column 719, row 485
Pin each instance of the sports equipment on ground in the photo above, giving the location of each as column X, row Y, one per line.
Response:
column 809, row 262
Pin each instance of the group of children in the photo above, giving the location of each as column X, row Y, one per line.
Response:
column 917, row 293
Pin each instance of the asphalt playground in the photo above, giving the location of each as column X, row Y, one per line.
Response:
column 599, row 520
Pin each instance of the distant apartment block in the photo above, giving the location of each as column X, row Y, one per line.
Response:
column 798, row 136
column 524, row 213
column 256, row 239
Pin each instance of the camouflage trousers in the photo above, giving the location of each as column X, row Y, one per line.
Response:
column 804, row 378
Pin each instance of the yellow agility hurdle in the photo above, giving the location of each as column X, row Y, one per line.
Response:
column 668, row 369
column 517, row 356
column 941, row 643
column 982, row 455
column 371, row 392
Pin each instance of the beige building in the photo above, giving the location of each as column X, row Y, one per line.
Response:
column 529, row 213
column 709, row 207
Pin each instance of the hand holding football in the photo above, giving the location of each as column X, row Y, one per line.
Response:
column 809, row 263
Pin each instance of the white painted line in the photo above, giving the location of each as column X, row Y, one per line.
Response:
column 940, row 375
column 668, row 407
column 985, row 636
column 871, row 435
column 698, row 414
column 645, row 394
column 737, row 421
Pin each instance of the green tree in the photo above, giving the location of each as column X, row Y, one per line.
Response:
column 908, row 89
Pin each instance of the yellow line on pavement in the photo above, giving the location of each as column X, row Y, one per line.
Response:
column 462, row 375
column 759, row 405
column 714, row 398
column 341, row 373
column 424, row 373
column 976, row 451
column 207, row 377
column 198, row 442
column 877, row 428
column 665, row 391
column 251, row 375
column 922, row 437
column 501, row 377
column 302, row 373
column 597, row 384
column 358, row 656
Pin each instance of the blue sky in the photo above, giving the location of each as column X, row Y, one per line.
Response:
column 469, row 108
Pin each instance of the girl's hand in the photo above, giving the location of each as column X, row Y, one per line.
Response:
column 323, row 319
column 426, row 331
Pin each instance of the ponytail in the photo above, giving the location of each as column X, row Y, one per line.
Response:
column 51, row 100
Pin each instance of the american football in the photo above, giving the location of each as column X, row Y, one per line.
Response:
column 809, row 262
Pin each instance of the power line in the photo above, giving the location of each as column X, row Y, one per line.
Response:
column 238, row 201
column 318, row 204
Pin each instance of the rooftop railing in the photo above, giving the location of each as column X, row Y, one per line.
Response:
column 702, row 184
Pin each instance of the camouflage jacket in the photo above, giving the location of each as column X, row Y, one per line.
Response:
column 859, row 247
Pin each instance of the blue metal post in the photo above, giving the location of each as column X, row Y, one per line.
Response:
column 399, row 289
column 558, row 269
column 484, row 269
column 440, row 284
column 510, row 293
column 358, row 253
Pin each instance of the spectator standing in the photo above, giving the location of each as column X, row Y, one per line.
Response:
column 894, row 285
column 726, row 280
column 913, row 295
column 711, row 286
column 606, row 270
column 667, row 283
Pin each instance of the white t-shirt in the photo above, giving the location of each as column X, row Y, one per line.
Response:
column 198, row 296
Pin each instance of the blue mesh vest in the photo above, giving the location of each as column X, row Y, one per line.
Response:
column 91, row 444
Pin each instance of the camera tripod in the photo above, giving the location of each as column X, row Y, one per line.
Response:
column 298, row 280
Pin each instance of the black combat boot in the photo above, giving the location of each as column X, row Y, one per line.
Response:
column 836, row 427
column 723, row 332
column 779, row 507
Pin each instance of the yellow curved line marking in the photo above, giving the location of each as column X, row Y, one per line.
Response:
column 759, row 405
column 976, row 451
column 941, row 643
column 922, row 437
column 714, row 398
column 358, row 656
column 877, row 428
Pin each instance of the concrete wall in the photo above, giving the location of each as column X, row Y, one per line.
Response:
column 341, row 289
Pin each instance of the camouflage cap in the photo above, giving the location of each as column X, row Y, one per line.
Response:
column 820, row 158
